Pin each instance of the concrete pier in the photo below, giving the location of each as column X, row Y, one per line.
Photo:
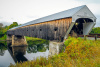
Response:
column 55, row 47
column 18, row 40
column 9, row 37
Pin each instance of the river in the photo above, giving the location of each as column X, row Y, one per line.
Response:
column 11, row 55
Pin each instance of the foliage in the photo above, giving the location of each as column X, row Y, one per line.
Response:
column 78, row 53
column 13, row 25
column 3, row 47
column 3, row 30
column 1, row 24
column 95, row 30
column 4, row 37
column 3, row 44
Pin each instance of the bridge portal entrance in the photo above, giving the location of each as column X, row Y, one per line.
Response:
column 82, row 26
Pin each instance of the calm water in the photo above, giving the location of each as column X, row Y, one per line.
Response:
column 11, row 55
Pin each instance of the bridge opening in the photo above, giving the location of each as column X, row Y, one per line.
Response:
column 55, row 29
column 33, row 30
column 40, row 29
column 81, row 26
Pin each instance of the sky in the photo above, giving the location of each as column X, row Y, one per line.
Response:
column 23, row 11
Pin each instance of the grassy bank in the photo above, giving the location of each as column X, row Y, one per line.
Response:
column 78, row 53
column 38, row 44
column 32, row 38
column 35, row 41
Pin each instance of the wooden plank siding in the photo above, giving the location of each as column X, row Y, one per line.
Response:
column 50, row 30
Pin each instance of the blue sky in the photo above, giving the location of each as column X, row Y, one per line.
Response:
column 23, row 11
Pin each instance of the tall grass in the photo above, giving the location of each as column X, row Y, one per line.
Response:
column 78, row 53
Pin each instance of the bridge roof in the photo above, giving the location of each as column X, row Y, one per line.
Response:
column 63, row 14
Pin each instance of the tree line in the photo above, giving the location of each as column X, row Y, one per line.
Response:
column 95, row 30
column 3, row 30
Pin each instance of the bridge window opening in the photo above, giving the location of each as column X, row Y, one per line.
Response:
column 32, row 30
column 40, row 29
column 78, row 26
column 18, row 36
column 55, row 29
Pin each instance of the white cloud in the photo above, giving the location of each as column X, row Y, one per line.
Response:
column 95, row 8
column 89, row 1
column 23, row 11
column 1, row 17
column 20, row 9
column 5, row 23
column 97, row 21
column 97, row 25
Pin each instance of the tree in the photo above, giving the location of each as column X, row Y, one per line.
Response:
column 95, row 30
column 13, row 25
column 1, row 24
column 3, row 30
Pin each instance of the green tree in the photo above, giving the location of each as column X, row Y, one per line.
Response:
column 1, row 24
column 13, row 25
column 95, row 30
column 3, row 30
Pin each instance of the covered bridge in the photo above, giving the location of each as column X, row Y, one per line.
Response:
column 79, row 20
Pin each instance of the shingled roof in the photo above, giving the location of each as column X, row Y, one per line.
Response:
column 63, row 14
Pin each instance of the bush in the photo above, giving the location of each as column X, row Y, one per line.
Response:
column 95, row 30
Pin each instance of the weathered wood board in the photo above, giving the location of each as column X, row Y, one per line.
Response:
column 50, row 30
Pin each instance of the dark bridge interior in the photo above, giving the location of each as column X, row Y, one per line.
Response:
column 78, row 26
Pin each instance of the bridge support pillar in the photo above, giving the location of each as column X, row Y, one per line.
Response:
column 55, row 47
column 18, row 40
column 9, row 37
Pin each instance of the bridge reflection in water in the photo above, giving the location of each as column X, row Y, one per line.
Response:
column 18, row 52
column 12, row 55
column 2, row 48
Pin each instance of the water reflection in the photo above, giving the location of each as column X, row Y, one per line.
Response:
column 37, row 46
column 19, row 54
column 3, row 47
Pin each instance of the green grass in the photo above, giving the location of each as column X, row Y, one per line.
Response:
column 78, row 53
column 36, row 41
column 32, row 38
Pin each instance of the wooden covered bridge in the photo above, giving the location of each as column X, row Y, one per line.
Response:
column 56, row 27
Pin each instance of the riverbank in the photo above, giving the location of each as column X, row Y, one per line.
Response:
column 78, row 52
